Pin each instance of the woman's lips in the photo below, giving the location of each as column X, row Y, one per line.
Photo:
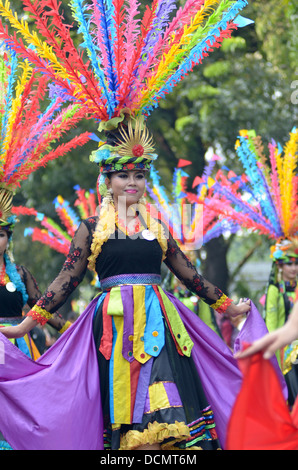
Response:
column 131, row 191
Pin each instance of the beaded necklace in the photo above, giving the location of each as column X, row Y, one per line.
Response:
column 129, row 232
column 3, row 276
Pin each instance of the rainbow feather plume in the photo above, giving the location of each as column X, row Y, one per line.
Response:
column 190, row 221
column 86, row 202
column 28, row 133
column 265, row 197
column 56, row 236
column 130, row 56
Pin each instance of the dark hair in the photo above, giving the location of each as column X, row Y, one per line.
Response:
column 6, row 228
column 113, row 137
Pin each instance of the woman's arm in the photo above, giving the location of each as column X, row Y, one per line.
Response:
column 71, row 274
column 186, row 272
column 57, row 321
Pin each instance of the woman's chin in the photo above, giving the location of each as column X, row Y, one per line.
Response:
column 132, row 198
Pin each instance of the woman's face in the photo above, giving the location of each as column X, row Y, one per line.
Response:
column 3, row 241
column 127, row 185
column 290, row 271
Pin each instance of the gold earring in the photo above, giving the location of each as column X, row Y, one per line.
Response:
column 108, row 199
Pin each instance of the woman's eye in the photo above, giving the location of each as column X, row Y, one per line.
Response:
column 140, row 176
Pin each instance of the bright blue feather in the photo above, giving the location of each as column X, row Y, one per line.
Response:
column 32, row 139
column 107, row 29
column 195, row 55
column 79, row 11
column 13, row 63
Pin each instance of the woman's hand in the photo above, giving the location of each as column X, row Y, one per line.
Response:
column 240, row 309
column 272, row 342
column 20, row 330
column 269, row 344
column 11, row 331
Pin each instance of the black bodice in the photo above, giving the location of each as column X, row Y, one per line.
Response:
column 11, row 303
column 134, row 256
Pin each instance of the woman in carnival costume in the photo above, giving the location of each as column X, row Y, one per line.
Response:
column 273, row 425
column 158, row 369
column 265, row 199
column 149, row 384
column 256, row 424
column 17, row 285
column 279, row 302
column 18, row 288
column 26, row 137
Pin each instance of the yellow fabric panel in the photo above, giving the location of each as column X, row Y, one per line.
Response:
column 158, row 397
column 35, row 352
column 178, row 328
column 115, row 305
column 121, row 379
column 139, row 324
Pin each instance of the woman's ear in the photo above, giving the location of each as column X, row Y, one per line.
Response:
column 108, row 182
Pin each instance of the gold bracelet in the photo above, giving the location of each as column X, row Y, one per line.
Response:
column 221, row 304
column 39, row 314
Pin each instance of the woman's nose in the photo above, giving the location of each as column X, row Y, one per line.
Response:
column 131, row 181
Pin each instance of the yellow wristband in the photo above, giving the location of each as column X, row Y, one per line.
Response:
column 221, row 304
column 65, row 327
column 39, row 314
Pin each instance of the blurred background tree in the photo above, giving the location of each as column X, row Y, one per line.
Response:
column 248, row 83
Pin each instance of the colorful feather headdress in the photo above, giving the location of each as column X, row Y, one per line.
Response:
column 265, row 197
column 27, row 133
column 191, row 223
column 56, row 236
column 128, row 61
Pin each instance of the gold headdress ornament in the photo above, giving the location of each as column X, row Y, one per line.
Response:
column 135, row 143
column 6, row 197
column 128, row 145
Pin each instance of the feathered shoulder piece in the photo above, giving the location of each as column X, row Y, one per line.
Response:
column 265, row 197
column 28, row 133
column 130, row 55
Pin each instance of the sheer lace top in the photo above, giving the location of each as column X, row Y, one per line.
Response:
column 127, row 256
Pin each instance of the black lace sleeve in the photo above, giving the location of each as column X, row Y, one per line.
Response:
column 30, row 284
column 186, row 272
column 72, row 272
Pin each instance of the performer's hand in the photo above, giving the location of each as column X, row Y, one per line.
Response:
column 269, row 344
column 11, row 331
column 240, row 309
column 272, row 342
column 20, row 330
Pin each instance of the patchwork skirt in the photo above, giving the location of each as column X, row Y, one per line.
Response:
column 150, row 388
